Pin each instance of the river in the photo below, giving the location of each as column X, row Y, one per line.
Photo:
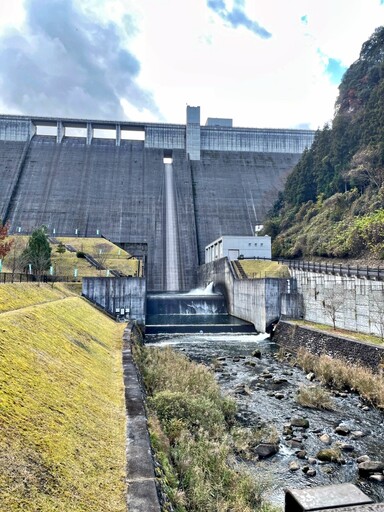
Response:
column 265, row 389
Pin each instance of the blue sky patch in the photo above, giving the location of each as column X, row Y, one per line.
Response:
column 335, row 70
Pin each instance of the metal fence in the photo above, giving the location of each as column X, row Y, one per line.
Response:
column 9, row 277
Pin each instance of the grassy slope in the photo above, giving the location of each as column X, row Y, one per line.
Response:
column 64, row 264
column 62, row 419
column 257, row 268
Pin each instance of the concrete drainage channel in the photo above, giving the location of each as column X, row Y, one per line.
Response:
column 142, row 493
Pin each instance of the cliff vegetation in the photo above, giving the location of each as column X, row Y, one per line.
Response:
column 333, row 202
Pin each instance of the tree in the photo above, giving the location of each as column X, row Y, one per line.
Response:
column 38, row 252
column 5, row 245
column 333, row 301
column 15, row 258
column 103, row 254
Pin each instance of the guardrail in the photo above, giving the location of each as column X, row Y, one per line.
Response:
column 341, row 269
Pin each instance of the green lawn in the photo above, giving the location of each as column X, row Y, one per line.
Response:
column 62, row 415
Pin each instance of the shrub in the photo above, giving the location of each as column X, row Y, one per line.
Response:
column 314, row 397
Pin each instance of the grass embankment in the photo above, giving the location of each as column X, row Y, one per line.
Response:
column 190, row 431
column 62, row 417
column 341, row 374
column 110, row 256
column 261, row 268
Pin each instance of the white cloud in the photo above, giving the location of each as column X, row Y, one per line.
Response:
column 189, row 54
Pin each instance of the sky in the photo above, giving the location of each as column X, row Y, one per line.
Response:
column 262, row 63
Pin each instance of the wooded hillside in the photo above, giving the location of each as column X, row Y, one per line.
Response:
column 332, row 204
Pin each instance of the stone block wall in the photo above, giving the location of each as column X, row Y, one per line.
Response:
column 355, row 304
column 292, row 337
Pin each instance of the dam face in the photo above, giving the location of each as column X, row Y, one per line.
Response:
column 91, row 177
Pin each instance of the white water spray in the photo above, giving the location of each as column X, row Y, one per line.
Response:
column 172, row 268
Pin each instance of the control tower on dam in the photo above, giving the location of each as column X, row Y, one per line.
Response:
column 90, row 177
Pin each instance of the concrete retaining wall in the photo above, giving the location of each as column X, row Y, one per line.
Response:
column 115, row 293
column 292, row 337
column 353, row 303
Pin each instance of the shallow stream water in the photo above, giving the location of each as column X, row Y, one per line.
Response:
column 271, row 387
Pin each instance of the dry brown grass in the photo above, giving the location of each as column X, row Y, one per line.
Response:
column 340, row 374
column 315, row 397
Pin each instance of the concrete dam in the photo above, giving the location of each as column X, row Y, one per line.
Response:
column 114, row 179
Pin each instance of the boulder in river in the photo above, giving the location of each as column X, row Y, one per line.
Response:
column 370, row 467
column 310, row 376
column 294, row 466
column 299, row 422
column 357, row 434
column 363, row 458
column 326, row 439
column 376, row 478
column 342, row 430
column 265, row 450
column 329, row 455
column 257, row 353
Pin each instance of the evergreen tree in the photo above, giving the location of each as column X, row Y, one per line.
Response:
column 38, row 252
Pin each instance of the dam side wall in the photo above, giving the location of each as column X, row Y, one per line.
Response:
column 114, row 294
column 255, row 300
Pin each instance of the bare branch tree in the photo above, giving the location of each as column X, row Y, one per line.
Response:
column 332, row 303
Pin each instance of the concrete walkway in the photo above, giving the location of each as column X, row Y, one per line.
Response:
column 142, row 494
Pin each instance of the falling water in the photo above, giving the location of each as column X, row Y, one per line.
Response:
column 172, row 270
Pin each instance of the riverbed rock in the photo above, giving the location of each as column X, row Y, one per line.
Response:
column 363, row 458
column 279, row 380
column 342, row 430
column 328, row 455
column 311, row 472
column 357, row 434
column 242, row 389
column 294, row 443
column 257, row 353
column 301, row 454
column 370, row 467
column 326, row 439
column 299, row 422
column 250, row 363
column 294, row 466
column 265, row 450
column 279, row 396
column 287, row 430
column 346, row 447
column 310, row 376
column 312, row 461
column 376, row 478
